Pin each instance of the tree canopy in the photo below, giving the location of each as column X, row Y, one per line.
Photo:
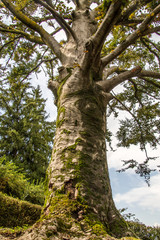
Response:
column 127, row 40
column 108, row 56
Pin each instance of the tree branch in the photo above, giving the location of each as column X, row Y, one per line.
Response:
column 153, row 44
column 150, row 49
column 77, row 3
column 145, row 73
column 109, row 71
column 46, row 37
column 150, row 82
column 68, row 30
column 131, row 38
column 151, row 30
column 110, row 19
column 139, row 124
column 111, row 83
column 9, row 42
column 132, row 8
column 29, row 37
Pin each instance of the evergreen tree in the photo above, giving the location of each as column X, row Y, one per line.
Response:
column 108, row 44
column 26, row 135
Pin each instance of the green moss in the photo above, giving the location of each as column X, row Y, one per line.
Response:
column 73, row 146
column 61, row 111
column 129, row 238
column 86, row 134
column 63, row 82
column 99, row 229
column 15, row 212
column 66, row 131
column 117, row 226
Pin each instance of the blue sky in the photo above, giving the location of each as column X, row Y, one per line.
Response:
column 129, row 190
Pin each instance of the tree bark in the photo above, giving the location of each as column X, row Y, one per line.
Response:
column 78, row 172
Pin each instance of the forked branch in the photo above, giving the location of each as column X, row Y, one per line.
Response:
column 64, row 25
column 110, row 19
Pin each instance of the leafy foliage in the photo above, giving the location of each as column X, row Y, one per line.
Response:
column 25, row 135
column 139, row 229
column 14, row 183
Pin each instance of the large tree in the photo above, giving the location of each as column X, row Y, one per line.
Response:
column 108, row 43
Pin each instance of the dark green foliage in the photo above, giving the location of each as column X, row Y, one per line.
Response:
column 17, row 213
column 25, row 134
column 15, row 184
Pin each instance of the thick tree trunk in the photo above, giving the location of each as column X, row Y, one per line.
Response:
column 79, row 204
column 79, row 191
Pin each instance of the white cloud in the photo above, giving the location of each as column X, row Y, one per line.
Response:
column 156, row 225
column 115, row 158
column 145, row 197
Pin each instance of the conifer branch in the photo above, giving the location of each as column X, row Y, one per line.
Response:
column 131, row 38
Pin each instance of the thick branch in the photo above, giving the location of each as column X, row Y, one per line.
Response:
column 53, row 86
column 82, row 4
column 145, row 73
column 68, row 30
column 47, row 38
column 131, row 38
column 29, row 37
column 134, row 21
column 106, row 26
column 111, row 83
column 77, row 3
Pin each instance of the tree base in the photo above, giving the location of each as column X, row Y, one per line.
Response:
column 61, row 229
